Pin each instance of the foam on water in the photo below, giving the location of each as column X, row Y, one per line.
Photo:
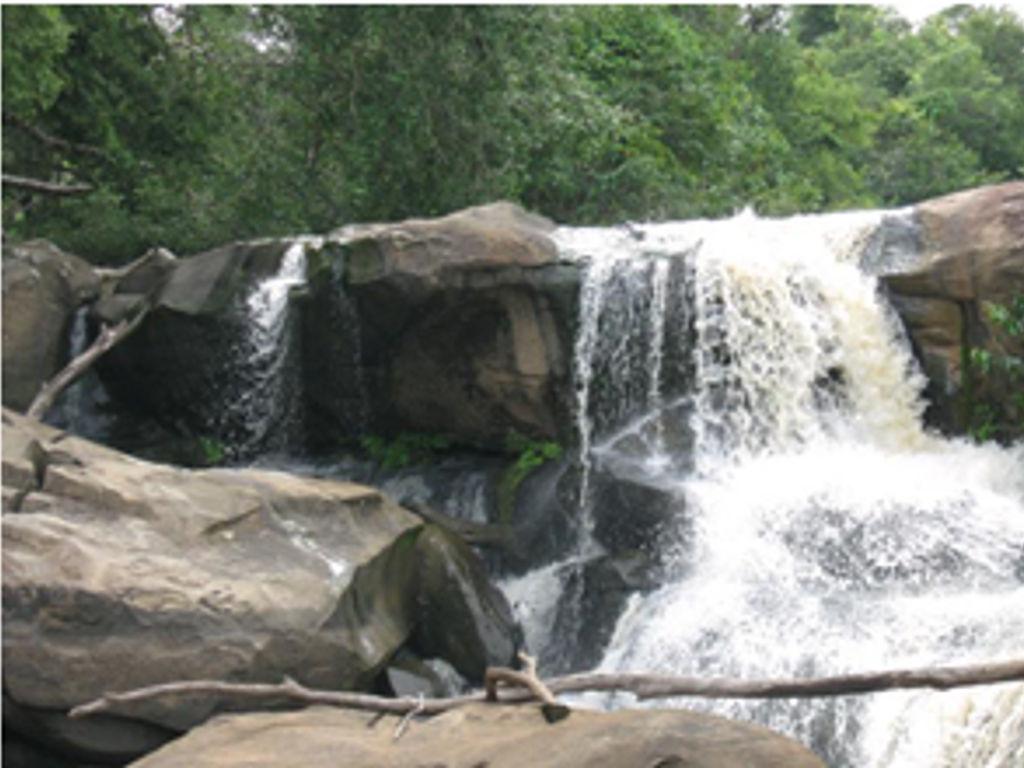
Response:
column 830, row 531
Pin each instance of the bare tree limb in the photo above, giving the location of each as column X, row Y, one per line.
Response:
column 51, row 141
column 289, row 689
column 407, row 718
column 527, row 678
column 643, row 686
column 46, row 187
column 109, row 337
column 553, row 711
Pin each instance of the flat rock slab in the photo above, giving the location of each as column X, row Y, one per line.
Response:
column 120, row 573
column 480, row 736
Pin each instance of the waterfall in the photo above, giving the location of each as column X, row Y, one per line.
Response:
column 828, row 530
column 68, row 412
column 266, row 403
column 82, row 409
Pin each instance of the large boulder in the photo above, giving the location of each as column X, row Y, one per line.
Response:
column 971, row 253
column 195, row 364
column 460, row 325
column 465, row 327
column 120, row 573
column 42, row 287
column 482, row 735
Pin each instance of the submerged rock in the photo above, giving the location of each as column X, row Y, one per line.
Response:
column 482, row 735
column 119, row 573
column 594, row 597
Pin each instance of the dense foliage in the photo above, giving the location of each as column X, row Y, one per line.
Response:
column 994, row 392
column 194, row 125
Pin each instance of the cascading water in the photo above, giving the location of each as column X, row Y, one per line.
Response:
column 266, row 400
column 827, row 531
column 68, row 412
column 83, row 408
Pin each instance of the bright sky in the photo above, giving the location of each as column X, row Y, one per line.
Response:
column 919, row 10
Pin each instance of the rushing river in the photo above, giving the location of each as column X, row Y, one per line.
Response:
column 821, row 529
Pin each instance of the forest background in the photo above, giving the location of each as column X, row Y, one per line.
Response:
column 190, row 126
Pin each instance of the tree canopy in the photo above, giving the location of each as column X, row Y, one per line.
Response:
column 194, row 125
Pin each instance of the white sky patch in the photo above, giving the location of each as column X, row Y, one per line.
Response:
column 916, row 11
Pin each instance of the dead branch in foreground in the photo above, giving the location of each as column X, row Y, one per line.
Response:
column 109, row 336
column 527, row 678
column 643, row 686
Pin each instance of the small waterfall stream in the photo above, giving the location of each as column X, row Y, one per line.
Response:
column 827, row 530
column 267, row 398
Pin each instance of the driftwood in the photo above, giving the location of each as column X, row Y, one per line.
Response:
column 46, row 187
column 109, row 337
column 527, row 678
column 643, row 686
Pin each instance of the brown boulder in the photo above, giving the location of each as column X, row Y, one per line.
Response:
column 482, row 735
column 119, row 573
column 972, row 253
column 42, row 287
column 466, row 325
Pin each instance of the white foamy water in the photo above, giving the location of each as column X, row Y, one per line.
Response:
column 268, row 302
column 266, row 397
column 828, row 532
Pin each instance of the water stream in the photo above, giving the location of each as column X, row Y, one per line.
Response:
column 826, row 530
column 266, row 395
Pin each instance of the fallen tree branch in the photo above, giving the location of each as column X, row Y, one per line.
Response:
column 407, row 718
column 643, row 686
column 46, row 187
column 109, row 337
column 527, row 678
column 288, row 689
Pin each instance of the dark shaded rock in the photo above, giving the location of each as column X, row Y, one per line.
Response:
column 631, row 511
column 19, row 752
column 591, row 603
column 461, row 617
column 186, row 365
column 42, row 287
column 482, row 735
column 409, row 675
column 544, row 517
column 101, row 739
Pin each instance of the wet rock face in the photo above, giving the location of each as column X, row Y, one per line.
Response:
column 184, row 366
column 972, row 253
column 42, row 286
column 482, row 735
column 460, row 325
column 120, row 573
column 466, row 324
